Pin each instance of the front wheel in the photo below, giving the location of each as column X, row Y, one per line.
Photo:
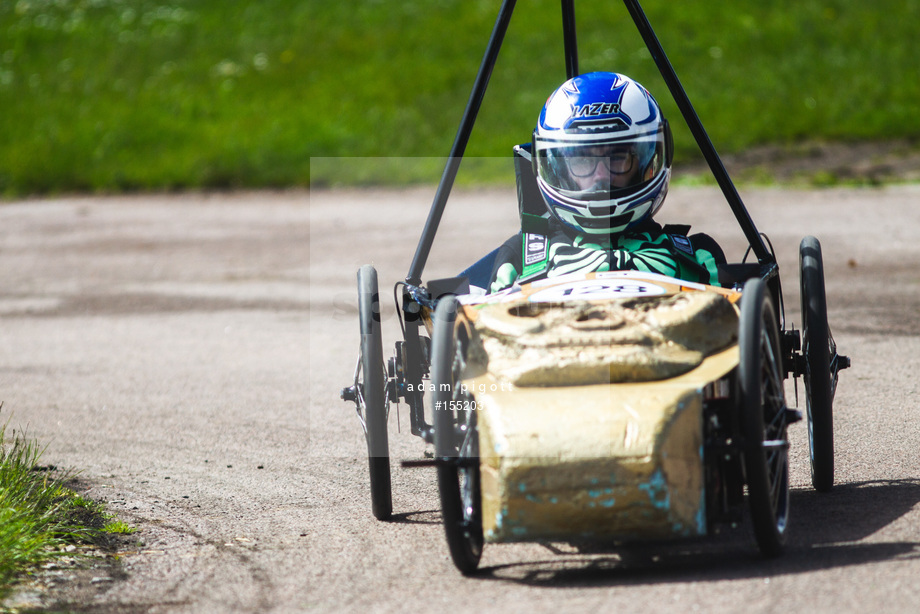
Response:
column 817, row 347
column 456, row 442
column 369, row 383
column 763, row 417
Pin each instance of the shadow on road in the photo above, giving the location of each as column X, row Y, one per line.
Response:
column 424, row 517
column 826, row 531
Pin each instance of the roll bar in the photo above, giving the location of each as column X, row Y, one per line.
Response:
column 414, row 277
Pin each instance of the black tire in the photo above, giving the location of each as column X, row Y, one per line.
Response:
column 816, row 347
column 456, row 442
column 372, row 401
column 763, row 417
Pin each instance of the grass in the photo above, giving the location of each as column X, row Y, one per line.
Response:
column 116, row 95
column 39, row 515
column 117, row 527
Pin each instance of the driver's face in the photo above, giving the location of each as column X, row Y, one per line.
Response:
column 605, row 168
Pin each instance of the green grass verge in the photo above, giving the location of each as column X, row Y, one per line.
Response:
column 39, row 515
column 144, row 94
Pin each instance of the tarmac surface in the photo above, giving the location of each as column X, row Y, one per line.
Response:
column 185, row 353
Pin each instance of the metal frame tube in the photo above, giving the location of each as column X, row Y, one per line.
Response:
column 569, row 39
column 463, row 136
column 699, row 133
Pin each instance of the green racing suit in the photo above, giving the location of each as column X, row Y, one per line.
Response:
column 650, row 248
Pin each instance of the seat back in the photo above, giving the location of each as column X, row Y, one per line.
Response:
column 533, row 214
column 531, row 207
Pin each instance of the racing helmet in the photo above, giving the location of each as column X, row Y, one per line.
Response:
column 602, row 154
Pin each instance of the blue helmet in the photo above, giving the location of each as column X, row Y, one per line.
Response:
column 602, row 154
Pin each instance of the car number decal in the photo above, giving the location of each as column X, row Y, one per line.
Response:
column 596, row 289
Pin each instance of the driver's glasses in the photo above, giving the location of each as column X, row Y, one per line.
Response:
column 617, row 161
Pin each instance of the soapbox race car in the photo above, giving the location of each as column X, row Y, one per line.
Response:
column 620, row 406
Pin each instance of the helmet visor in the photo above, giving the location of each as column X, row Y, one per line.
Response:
column 598, row 169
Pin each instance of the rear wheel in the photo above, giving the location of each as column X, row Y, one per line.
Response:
column 456, row 442
column 369, row 385
column 817, row 347
column 763, row 417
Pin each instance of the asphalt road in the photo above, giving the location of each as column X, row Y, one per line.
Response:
column 186, row 353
